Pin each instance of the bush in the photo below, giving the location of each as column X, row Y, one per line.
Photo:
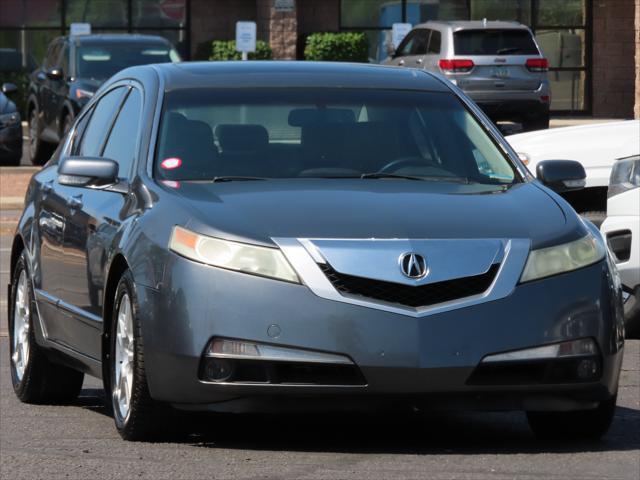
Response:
column 337, row 47
column 226, row 50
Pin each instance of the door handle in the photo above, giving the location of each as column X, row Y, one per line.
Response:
column 47, row 186
column 75, row 202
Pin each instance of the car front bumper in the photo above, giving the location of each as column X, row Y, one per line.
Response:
column 424, row 360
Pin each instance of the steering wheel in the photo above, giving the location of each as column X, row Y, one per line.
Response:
column 396, row 164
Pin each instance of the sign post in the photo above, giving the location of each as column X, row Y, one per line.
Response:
column 398, row 32
column 245, row 38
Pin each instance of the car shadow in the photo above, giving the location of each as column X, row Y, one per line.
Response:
column 384, row 432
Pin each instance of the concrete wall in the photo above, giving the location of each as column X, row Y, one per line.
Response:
column 614, row 50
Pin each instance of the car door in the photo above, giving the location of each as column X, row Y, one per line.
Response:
column 412, row 49
column 86, row 211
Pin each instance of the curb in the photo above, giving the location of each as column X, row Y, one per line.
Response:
column 19, row 170
column 11, row 203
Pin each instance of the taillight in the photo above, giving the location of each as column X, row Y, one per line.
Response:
column 537, row 64
column 456, row 66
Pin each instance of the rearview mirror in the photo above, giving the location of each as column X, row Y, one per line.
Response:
column 8, row 88
column 561, row 175
column 87, row 172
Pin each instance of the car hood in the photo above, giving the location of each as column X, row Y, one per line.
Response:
column 257, row 211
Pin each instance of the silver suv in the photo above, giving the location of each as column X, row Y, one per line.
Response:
column 498, row 64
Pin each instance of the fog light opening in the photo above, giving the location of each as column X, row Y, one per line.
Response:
column 218, row 369
column 588, row 368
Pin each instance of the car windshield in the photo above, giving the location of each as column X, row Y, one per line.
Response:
column 494, row 42
column 101, row 61
column 212, row 134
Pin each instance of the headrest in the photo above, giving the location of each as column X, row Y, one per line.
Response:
column 242, row 138
column 303, row 117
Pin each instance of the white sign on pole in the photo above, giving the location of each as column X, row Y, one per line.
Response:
column 245, row 38
column 398, row 32
column 76, row 29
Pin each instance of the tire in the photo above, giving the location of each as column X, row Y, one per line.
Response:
column 594, row 216
column 632, row 315
column 578, row 425
column 39, row 151
column 34, row 377
column 135, row 417
column 540, row 122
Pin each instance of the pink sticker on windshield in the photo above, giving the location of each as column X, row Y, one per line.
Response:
column 171, row 163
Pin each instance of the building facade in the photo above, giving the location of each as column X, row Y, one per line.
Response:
column 592, row 45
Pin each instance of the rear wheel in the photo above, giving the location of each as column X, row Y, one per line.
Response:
column 540, row 122
column 134, row 411
column 584, row 424
column 39, row 151
column 35, row 379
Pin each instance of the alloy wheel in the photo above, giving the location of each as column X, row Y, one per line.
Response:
column 124, row 351
column 21, row 311
column 33, row 132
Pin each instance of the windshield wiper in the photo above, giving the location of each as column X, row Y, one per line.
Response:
column 434, row 178
column 231, row 178
column 505, row 51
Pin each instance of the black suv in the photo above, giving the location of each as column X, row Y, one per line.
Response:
column 72, row 70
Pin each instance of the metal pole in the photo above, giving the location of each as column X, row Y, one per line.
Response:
column 245, row 56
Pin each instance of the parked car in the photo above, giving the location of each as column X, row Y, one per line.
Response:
column 10, row 128
column 595, row 146
column 288, row 235
column 498, row 64
column 622, row 231
column 73, row 69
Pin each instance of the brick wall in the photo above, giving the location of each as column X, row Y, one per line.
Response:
column 216, row 20
column 281, row 29
column 614, row 50
column 637, row 109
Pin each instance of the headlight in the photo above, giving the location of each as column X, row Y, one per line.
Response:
column 546, row 262
column 83, row 94
column 8, row 119
column 263, row 261
column 625, row 175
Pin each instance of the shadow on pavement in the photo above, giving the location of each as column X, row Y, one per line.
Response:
column 424, row 433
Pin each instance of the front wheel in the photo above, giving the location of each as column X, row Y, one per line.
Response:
column 39, row 151
column 134, row 411
column 583, row 424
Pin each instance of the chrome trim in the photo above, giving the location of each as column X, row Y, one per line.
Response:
column 514, row 256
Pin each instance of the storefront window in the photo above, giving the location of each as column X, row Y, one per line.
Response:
column 99, row 13
column 566, row 12
column 158, row 13
column 518, row 10
column 370, row 13
column 564, row 48
column 567, row 90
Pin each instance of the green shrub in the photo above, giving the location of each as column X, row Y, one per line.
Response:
column 226, row 50
column 337, row 47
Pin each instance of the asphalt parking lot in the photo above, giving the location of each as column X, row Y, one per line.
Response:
column 79, row 441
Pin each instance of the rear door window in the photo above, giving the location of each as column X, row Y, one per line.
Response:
column 415, row 43
column 100, row 123
column 494, row 42
column 435, row 42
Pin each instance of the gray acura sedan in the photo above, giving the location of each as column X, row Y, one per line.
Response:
column 252, row 236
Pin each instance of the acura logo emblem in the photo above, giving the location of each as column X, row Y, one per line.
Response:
column 413, row 265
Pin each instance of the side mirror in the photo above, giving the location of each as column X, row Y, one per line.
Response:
column 9, row 88
column 87, row 172
column 54, row 73
column 561, row 175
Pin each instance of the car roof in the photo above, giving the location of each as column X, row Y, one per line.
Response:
column 473, row 25
column 117, row 38
column 294, row 74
